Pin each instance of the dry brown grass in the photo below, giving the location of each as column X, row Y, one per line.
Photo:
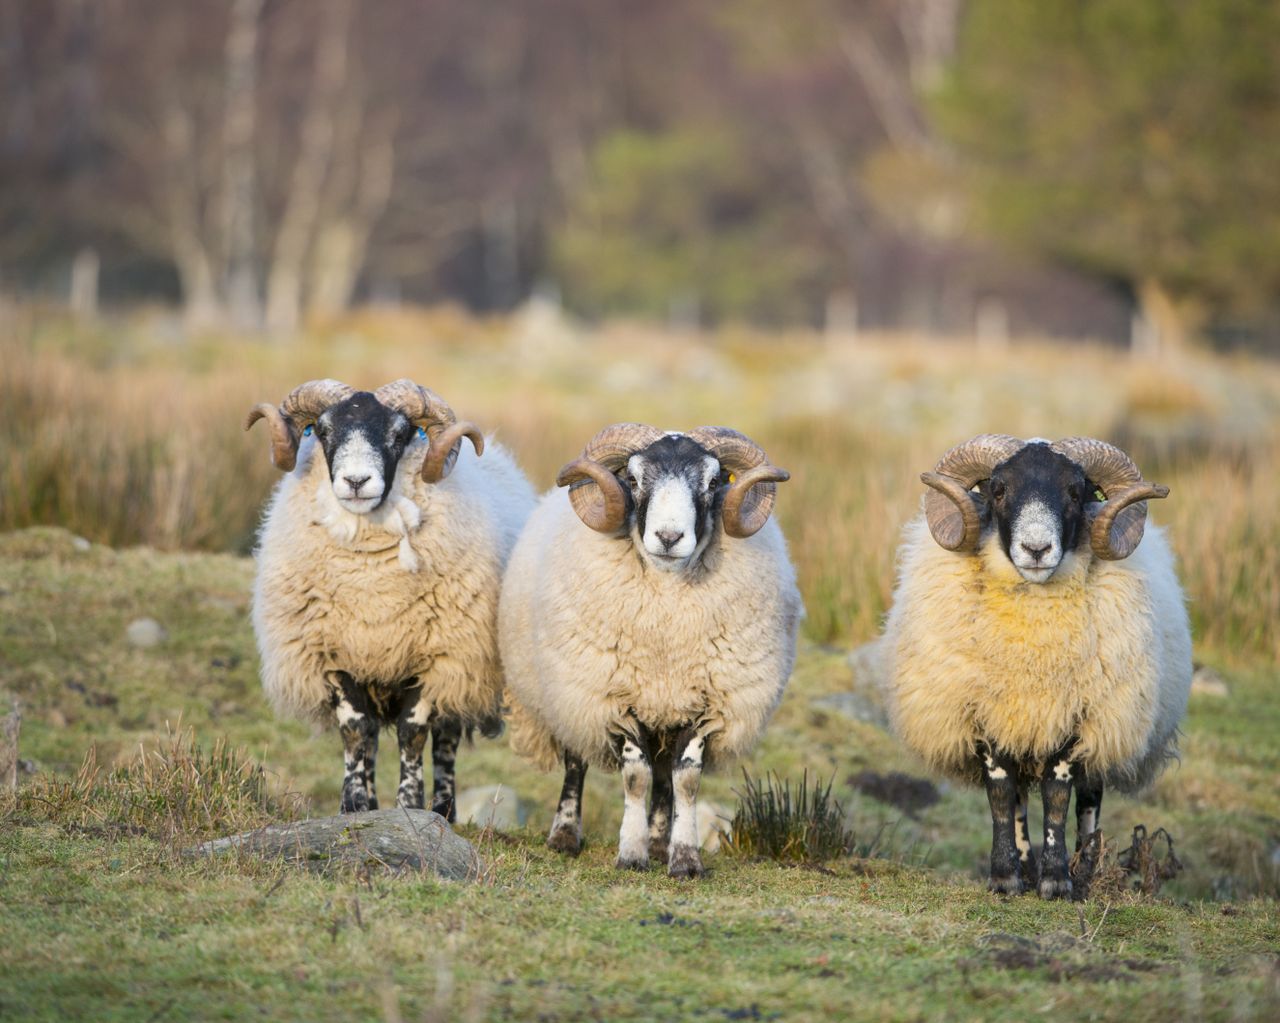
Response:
column 129, row 437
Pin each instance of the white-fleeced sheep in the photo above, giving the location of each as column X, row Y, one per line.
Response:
column 648, row 622
column 1040, row 638
column 378, row 572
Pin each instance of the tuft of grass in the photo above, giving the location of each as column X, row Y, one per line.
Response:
column 175, row 791
column 804, row 826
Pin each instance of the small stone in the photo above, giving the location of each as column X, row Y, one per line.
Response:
column 145, row 632
column 495, row 806
column 1207, row 682
column 79, row 543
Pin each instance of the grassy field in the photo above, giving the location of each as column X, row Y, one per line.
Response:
column 133, row 441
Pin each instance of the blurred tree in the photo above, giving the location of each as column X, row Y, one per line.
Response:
column 680, row 224
column 1138, row 139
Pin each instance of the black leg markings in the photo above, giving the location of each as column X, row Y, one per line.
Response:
column 566, row 829
column 358, row 726
column 1055, row 790
column 446, row 733
column 412, row 726
column 1000, row 775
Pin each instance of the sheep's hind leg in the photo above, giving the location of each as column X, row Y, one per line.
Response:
column 686, row 777
column 412, row 726
column 637, row 775
column 358, row 726
column 660, row 803
column 566, row 829
column 1000, row 775
column 446, row 733
column 1022, row 837
column 1055, row 788
column 1088, row 804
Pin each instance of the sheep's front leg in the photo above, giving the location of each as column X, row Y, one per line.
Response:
column 412, row 725
column 1088, row 804
column 566, row 829
column 660, row 804
column 1022, row 838
column 446, row 733
column 1000, row 774
column 686, row 777
column 358, row 726
column 637, row 775
column 1055, row 789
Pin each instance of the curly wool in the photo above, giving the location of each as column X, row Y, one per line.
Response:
column 1101, row 652
column 590, row 634
column 408, row 591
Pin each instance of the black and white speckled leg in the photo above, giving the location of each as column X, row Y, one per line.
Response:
column 446, row 733
column 1000, row 775
column 637, row 775
column 1088, row 804
column 1028, row 866
column 660, row 804
column 412, row 726
column 358, row 726
column 1055, row 790
column 566, row 829
column 686, row 776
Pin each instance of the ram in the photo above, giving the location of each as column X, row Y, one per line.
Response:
column 648, row 623
column 378, row 572
column 1038, row 638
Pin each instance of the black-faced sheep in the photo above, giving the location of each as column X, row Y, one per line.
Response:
column 648, row 622
column 1035, row 640
column 379, row 567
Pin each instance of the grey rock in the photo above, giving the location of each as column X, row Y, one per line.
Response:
column 396, row 840
column 145, row 633
column 495, row 806
column 854, row 705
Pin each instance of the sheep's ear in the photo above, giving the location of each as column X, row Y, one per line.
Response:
column 284, row 435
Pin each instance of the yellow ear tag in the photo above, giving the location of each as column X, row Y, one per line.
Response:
column 732, row 477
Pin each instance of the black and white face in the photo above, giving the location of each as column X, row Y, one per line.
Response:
column 1038, row 500
column 674, row 483
column 362, row 441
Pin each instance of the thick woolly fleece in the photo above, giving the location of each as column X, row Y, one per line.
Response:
column 1101, row 652
column 409, row 591
column 591, row 634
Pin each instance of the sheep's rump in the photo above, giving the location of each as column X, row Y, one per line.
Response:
column 972, row 652
column 325, row 603
column 590, row 636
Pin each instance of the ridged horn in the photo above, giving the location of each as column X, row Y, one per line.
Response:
column 444, row 432
column 299, row 409
column 1120, row 521
column 955, row 515
column 749, row 500
column 598, row 497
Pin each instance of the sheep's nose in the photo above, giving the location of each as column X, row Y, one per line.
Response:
column 356, row 482
column 1035, row 551
column 669, row 537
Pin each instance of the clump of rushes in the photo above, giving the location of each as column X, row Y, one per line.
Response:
column 175, row 790
column 773, row 822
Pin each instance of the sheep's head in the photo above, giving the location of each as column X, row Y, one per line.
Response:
column 1042, row 498
column 666, row 490
column 364, row 434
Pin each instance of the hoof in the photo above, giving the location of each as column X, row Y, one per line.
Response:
column 355, row 802
column 1055, row 888
column 564, row 840
column 1008, row 884
column 684, row 862
column 637, row 863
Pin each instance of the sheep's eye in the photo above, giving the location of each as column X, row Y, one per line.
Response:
column 1073, row 491
column 632, row 482
column 308, row 430
column 997, row 491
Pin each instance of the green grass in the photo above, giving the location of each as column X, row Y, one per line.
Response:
column 111, row 924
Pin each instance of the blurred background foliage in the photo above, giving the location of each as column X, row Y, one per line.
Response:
column 990, row 167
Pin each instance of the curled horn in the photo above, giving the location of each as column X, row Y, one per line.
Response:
column 1118, row 526
column 299, row 408
column 955, row 515
column 429, row 410
column 597, row 495
column 750, row 497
